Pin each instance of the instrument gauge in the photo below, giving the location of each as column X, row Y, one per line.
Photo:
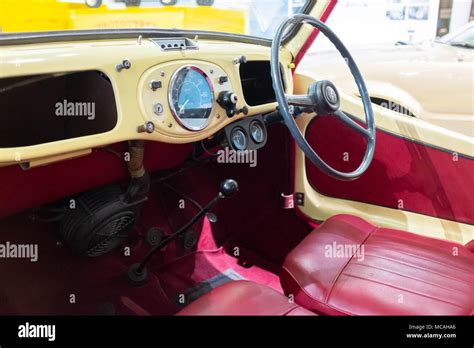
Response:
column 257, row 132
column 191, row 98
column 239, row 139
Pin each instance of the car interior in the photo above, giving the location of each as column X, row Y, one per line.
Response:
column 140, row 203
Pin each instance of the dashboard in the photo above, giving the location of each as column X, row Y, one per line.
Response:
column 181, row 97
column 140, row 90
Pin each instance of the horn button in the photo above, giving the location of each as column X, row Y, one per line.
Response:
column 325, row 97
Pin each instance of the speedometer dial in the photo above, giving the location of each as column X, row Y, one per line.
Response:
column 191, row 98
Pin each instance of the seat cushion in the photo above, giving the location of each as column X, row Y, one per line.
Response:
column 348, row 266
column 244, row 298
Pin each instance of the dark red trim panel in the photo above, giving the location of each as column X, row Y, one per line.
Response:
column 21, row 190
column 404, row 174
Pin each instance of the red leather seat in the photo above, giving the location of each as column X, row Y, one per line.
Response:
column 243, row 298
column 389, row 273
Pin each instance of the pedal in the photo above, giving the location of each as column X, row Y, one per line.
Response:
column 154, row 236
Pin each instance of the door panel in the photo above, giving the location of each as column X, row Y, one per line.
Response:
column 421, row 178
column 404, row 174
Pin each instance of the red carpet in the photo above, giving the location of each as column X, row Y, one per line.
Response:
column 253, row 222
column 48, row 285
column 192, row 269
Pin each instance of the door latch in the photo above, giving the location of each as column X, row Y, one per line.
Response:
column 290, row 201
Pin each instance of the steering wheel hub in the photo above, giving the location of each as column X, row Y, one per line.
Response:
column 325, row 97
column 331, row 96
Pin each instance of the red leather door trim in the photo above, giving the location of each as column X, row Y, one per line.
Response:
column 404, row 174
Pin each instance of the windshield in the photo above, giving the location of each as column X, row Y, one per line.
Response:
column 464, row 37
column 247, row 17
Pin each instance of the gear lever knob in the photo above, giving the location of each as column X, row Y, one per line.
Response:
column 229, row 188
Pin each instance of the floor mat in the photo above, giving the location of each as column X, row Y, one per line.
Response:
column 61, row 283
column 46, row 286
column 203, row 288
column 192, row 275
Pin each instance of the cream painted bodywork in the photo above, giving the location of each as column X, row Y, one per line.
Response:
column 321, row 207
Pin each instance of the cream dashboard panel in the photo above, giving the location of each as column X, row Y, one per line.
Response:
column 133, row 96
column 159, row 99
column 167, row 127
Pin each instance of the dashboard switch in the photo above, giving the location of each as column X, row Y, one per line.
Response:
column 228, row 101
column 223, row 79
column 154, row 85
column 244, row 110
column 158, row 109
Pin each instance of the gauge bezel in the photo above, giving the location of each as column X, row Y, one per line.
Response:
column 246, row 136
column 262, row 127
column 171, row 101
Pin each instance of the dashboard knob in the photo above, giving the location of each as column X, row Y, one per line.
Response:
column 229, row 188
column 228, row 101
column 233, row 98
column 240, row 60
column 148, row 127
column 126, row 64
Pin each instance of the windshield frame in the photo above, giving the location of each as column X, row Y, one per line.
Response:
column 104, row 34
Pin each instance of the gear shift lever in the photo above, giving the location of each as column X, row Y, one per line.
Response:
column 138, row 274
column 229, row 188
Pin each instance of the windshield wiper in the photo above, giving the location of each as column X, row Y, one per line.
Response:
column 461, row 44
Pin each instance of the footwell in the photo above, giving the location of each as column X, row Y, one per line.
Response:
column 203, row 288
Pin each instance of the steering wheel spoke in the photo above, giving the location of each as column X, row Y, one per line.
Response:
column 352, row 124
column 300, row 100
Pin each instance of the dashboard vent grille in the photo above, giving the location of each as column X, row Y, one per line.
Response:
column 169, row 44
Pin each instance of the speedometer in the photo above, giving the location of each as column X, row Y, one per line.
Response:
column 191, row 98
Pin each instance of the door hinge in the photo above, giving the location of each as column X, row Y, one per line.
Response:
column 290, row 201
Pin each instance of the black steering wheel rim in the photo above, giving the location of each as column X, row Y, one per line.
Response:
column 289, row 120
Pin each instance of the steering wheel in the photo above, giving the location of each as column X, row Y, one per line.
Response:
column 323, row 98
